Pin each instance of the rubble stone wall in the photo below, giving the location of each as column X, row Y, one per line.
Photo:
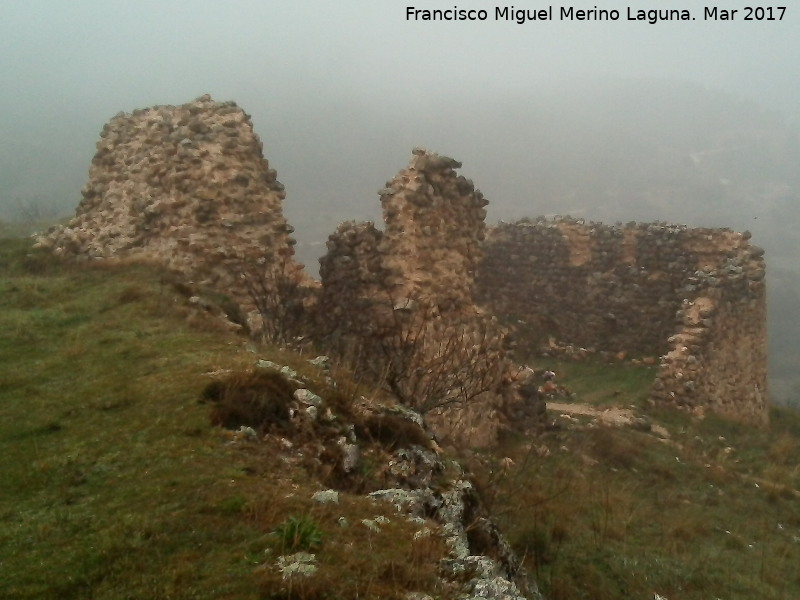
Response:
column 434, row 224
column 695, row 297
column 354, row 277
column 425, row 257
column 186, row 186
column 404, row 295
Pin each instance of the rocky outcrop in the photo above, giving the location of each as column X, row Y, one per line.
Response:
column 186, row 186
column 694, row 296
column 332, row 435
column 479, row 553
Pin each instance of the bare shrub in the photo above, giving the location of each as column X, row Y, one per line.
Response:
column 613, row 449
column 391, row 431
column 273, row 284
column 258, row 399
column 431, row 362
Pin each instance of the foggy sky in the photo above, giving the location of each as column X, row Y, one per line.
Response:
column 342, row 90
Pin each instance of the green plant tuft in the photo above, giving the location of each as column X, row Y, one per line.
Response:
column 299, row 533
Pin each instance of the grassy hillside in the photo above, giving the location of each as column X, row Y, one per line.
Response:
column 116, row 484
column 670, row 505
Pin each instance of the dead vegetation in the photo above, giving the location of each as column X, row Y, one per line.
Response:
column 259, row 399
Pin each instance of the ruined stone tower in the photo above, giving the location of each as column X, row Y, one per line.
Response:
column 425, row 256
column 186, row 186
column 404, row 295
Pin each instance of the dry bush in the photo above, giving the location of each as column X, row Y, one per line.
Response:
column 133, row 293
column 258, row 399
column 391, row 431
column 273, row 284
column 429, row 362
column 612, row 448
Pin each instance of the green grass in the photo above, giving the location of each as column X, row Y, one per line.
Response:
column 114, row 482
column 612, row 513
column 599, row 382
column 116, row 485
column 111, row 473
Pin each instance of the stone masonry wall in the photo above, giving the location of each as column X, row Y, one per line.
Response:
column 405, row 295
column 426, row 255
column 717, row 358
column 695, row 297
column 354, row 279
column 186, row 186
column 434, row 224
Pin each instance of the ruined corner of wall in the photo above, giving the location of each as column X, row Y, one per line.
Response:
column 717, row 357
column 694, row 296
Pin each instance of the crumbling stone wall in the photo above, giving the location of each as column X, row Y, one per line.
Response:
column 188, row 187
column 717, row 358
column 695, row 297
column 404, row 295
column 424, row 259
column 434, row 224
column 355, row 283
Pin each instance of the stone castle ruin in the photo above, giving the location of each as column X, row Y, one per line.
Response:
column 404, row 298
column 694, row 297
column 186, row 186
column 428, row 301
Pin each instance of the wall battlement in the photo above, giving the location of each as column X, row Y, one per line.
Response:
column 694, row 296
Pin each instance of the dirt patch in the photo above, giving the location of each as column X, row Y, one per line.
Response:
column 612, row 415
